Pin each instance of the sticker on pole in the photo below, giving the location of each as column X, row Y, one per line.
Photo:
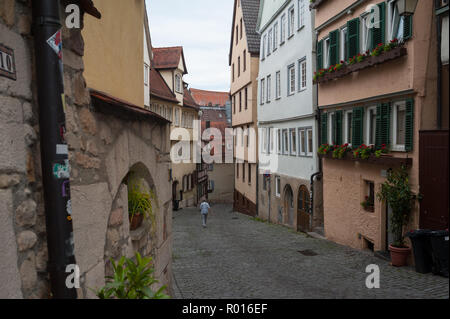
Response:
column 56, row 44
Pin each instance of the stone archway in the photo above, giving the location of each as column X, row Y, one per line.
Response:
column 120, row 240
column 288, row 205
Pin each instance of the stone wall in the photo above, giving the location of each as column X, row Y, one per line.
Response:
column 103, row 150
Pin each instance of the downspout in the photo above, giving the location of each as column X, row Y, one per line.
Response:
column 439, row 69
column 54, row 156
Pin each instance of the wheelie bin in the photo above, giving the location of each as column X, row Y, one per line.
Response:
column 422, row 249
column 439, row 243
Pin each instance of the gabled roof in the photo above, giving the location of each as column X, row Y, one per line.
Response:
column 159, row 87
column 250, row 11
column 210, row 98
column 168, row 58
column 188, row 100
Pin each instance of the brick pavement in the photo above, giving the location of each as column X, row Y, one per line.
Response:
column 238, row 257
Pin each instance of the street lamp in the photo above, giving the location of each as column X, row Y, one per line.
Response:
column 406, row 7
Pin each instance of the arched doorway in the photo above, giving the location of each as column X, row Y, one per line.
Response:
column 303, row 214
column 289, row 205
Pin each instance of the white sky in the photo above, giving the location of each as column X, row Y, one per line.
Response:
column 203, row 28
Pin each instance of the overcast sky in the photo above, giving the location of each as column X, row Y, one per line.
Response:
column 203, row 28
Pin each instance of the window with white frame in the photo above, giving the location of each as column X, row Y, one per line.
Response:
column 366, row 33
column 283, row 29
column 302, row 146
column 267, row 133
column 269, row 42
column 399, row 126
column 263, row 47
column 343, row 44
column 178, row 83
column 395, row 21
column 177, row 117
column 371, row 125
column 291, row 23
column 309, row 136
column 302, row 74
column 286, row 142
column 275, row 36
column 264, row 140
column 293, row 138
column 278, row 85
column 271, row 143
column 326, row 53
column 278, row 186
column 263, row 90
column 269, row 88
column 291, row 79
column 301, row 13
column 348, row 127
column 279, row 142
column 146, row 73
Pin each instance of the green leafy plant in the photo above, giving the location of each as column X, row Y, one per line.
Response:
column 377, row 51
column 324, row 149
column 367, row 204
column 363, row 152
column 396, row 192
column 140, row 202
column 131, row 280
column 340, row 151
column 382, row 150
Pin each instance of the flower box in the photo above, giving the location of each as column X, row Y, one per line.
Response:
column 384, row 160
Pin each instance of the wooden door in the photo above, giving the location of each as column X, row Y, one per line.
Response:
column 303, row 214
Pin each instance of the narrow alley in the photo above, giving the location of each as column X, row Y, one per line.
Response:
column 239, row 257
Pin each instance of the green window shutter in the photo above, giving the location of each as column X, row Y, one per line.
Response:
column 324, row 128
column 378, row 34
column 407, row 27
column 320, row 55
column 358, row 127
column 334, row 47
column 338, row 128
column 383, row 128
column 409, row 127
column 352, row 37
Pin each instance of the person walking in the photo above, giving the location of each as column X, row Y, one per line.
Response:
column 204, row 209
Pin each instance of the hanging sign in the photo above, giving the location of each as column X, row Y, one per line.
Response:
column 7, row 63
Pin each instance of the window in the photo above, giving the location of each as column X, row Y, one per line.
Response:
column 237, row 34
column 269, row 88
column 291, row 21
column 249, row 173
column 348, row 127
column 395, row 21
column 285, row 142
column 369, row 198
column 232, row 72
column 237, row 170
column 302, row 142
column 243, row 172
column 275, row 36
column 293, row 136
column 343, row 44
column 264, row 140
column 269, row 42
column 278, row 186
column 283, row 29
column 279, row 142
column 371, row 126
column 241, row 29
column 178, row 83
column 240, row 101
column 278, row 85
column 331, row 125
column 326, row 53
column 291, row 79
column 271, row 144
column 263, row 89
column 234, row 104
column 177, row 117
column 146, row 69
column 302, row 75
column 244, row 56
column 366, row 42
column 301, row 13
column 263, row 47
column 239, row 66
column 399, row 123
column 246, row 98
column 310, row 142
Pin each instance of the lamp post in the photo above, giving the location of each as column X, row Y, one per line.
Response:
column 406, row 7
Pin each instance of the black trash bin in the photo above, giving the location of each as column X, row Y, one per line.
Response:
column 176, row 205
column 439, row 243
column 422, row 249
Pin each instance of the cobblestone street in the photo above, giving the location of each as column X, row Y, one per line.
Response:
column 239, row 257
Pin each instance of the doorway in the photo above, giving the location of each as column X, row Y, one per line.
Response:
column 289, row 205
column 303, row 214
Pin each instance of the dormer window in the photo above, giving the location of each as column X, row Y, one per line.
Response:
column 178, row 87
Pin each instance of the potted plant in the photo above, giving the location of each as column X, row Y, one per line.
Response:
column 367, row 204
column 139, row 205
column 397, row 193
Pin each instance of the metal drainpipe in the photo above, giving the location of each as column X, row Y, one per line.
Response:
column 55, row 167
column 439, row 70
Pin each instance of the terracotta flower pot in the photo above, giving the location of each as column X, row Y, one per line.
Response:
column 136, row 221
column 399, row 256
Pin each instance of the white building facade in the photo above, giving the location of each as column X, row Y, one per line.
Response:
column 286, row 116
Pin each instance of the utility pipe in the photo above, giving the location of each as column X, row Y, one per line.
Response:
column 54, row 155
